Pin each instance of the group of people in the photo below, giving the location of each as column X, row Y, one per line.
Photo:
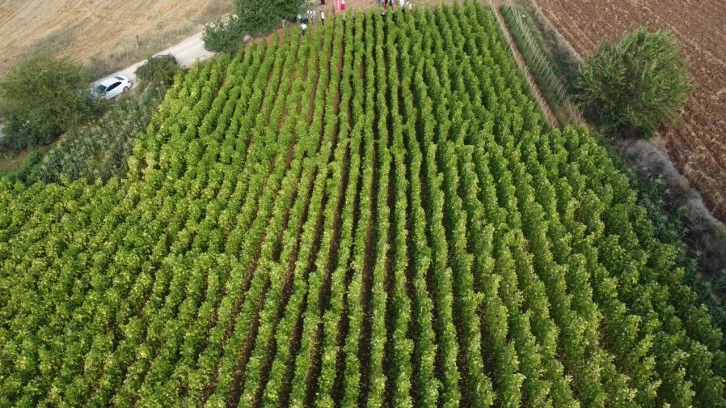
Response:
column 388, row 4
column 310, row 17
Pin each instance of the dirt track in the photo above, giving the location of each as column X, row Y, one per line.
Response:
column 698, row 143
column 186, row 53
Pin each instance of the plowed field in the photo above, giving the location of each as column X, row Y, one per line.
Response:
column 113, row 32
column 697, row 143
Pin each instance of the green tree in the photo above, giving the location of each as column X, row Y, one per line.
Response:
column 256, row 16
column 223, row 36
column 635, row 86
column 252, row 17
column 43, row 97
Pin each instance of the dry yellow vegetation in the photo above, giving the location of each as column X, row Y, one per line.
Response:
column 112, row 33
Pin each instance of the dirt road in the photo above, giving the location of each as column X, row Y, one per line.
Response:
column 186, row 52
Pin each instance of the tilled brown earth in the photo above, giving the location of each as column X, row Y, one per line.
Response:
column 697, row 143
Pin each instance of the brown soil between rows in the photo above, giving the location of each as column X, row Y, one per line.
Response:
column 696, row 143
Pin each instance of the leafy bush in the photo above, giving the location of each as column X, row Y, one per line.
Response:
column 28, row 171
column 223, row 36
column 253, row 17
column 43, row 97
column 257, row 16
column 21, row 133
column 99, row 151
column 159, row 70
column 635, row 86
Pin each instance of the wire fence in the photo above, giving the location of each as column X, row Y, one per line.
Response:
column 553, row 87
column 510, row 44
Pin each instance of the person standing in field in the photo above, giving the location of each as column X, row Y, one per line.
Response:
column 304, row 28
column 322, row 17
column 312, row 16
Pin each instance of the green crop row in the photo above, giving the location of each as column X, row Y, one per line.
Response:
column 371, row 214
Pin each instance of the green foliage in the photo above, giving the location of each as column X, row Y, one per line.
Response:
column 159, row 71
column 371, row 214
column 99, row 151
column 28, row 172
column 257, row 16
column 539, row 62
column 252, row 17
column 223, row 36
column 635, row 86
column 43, row 97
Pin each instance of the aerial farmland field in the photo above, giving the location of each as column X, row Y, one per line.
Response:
column 698, row 144
column 374, row 213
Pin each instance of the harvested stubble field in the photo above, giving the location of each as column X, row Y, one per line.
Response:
column 696, row 144
column 113, row 32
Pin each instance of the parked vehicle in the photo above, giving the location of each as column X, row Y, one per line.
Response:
column 169, row 57
column 112, row 87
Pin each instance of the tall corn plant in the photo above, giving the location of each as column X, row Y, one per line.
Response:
column 635, row 86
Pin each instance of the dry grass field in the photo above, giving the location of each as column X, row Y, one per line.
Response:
column 111, row 33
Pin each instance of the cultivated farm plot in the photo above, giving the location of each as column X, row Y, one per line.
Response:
column 111, row 31
column 697, row 144
column 371, row 214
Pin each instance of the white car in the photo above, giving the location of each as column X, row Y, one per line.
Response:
column 112, row 87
